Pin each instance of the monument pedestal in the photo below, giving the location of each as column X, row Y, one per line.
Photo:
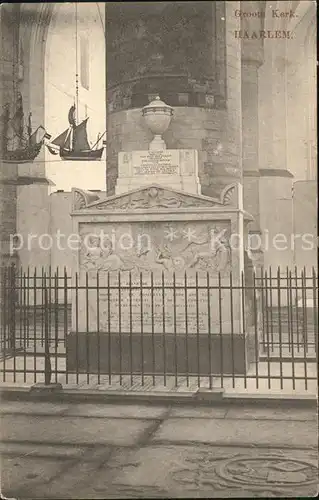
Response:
column 159, row 284
column 173, row 168
column 160, row 354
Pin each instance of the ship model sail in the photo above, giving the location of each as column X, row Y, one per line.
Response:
column 73, row 142
column 19, row 143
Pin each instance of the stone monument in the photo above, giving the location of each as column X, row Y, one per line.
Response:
column 175, row 168
column 159, row 229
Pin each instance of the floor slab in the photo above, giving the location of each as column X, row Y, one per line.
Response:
column 272, row 414
column 74, row 430
column 45, row 408
column 117, row 411
column 198, row 412
column 227, row 431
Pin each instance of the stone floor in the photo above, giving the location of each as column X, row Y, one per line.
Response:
column 73, row 451
column 267, row 378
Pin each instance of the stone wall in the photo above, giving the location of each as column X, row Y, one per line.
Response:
column 33, row 218
column 60, row 206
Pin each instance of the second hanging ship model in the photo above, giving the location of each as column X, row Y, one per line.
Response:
column 73, row 142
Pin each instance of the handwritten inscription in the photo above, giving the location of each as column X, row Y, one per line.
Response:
column 155, row 162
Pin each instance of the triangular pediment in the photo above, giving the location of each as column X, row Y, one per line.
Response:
column 151, row 197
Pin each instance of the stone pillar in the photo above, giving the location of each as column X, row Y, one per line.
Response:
column 176, row 50
column 275, row 193
column 8, row 196
column 8, row 172
column 251, row 173
column 251, row 59
column 226, row 158
column 32, row 184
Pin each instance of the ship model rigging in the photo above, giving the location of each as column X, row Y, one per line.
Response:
column 20, row 144
column 73, row 143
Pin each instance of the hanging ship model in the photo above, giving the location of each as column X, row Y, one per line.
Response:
column 20, row 144
column 73, row 142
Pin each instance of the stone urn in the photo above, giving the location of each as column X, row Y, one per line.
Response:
column 157, row 116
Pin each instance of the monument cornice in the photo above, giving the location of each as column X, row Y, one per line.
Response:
column 160, row 216
column 154, row 198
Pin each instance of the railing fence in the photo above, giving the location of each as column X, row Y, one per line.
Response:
column 201, row 330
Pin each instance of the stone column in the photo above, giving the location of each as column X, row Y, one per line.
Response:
column 250, row 144
column 187, row 53
column 223, row 152
column 33, row 214
column 276, row 180
column 251, row 59
column 8, row 172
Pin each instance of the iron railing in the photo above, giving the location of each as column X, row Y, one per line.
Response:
column 198, row 330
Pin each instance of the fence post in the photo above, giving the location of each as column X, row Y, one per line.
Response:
column 48, row 386
column 47, row 361
column 12, row 305
column 3, row 310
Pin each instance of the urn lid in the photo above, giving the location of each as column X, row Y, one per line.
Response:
column 157, row 105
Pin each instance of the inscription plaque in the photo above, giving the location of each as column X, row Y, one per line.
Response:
column 174, row 168
column 155, row 162
column 131, row 306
